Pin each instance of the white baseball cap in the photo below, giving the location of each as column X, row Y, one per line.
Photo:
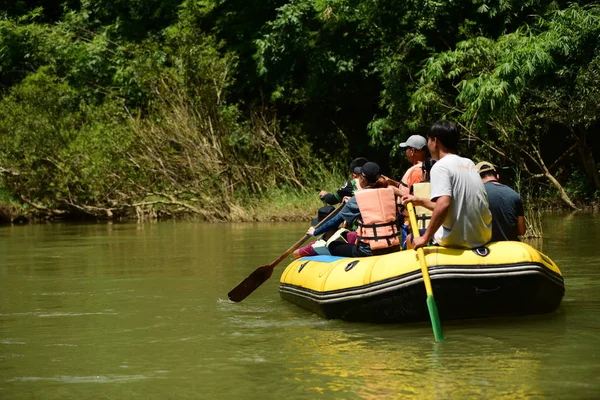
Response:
column 415, row 141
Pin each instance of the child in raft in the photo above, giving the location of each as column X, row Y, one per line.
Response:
column 374, row 208
column 320, row 246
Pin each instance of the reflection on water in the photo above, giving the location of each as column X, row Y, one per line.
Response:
column 371, row 361
column 140, row 311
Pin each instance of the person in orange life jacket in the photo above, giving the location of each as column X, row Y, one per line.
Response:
column 426, row 166
column 461, row 217
column 508, row 217
column 348, row 189
column 416, row 151
column 406, row 229
column 374, row 206
column 319, row 247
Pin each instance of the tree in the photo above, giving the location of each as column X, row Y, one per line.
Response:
column 510, row 92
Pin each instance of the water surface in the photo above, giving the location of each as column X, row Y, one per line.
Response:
column 140, row 311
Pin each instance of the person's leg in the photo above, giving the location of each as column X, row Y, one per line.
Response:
column 351, row 237
column 341, row 249
column 361, row 251
column 305, row 251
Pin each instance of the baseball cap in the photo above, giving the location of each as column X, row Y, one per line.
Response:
column 415, row 141
column 321, row 214
column 371, row 172
column 356, row 164
column 485, row 166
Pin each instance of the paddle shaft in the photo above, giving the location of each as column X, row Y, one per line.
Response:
column 431, row 306
column 306, row 236
column 264, row 272
column 291, row 249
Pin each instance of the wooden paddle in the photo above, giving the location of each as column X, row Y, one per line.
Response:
column 431, row 306
column 264, row 272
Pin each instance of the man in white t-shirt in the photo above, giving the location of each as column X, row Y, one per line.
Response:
column 461, row 215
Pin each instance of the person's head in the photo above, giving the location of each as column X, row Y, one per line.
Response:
column 426, row 169
column 443, row 135
column 487, row 171
column 355, row 166
column 370, row 177
column 322, row 213
column 415, row 147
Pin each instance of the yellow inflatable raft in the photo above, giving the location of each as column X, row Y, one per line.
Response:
column 504, row 278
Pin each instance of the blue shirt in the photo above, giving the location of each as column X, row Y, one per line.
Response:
column 349, row 213
column 506, row 207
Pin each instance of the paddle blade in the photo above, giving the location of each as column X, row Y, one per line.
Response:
column 435, row 319
column 251, row 283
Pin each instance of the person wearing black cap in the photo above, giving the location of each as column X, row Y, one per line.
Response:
column 374, row 207
column 319, row 247
column 508, row 217
column 349, row 188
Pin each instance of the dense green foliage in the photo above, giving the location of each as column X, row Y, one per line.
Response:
column 175, row 106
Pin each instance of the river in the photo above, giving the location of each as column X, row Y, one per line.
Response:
column 140, row 311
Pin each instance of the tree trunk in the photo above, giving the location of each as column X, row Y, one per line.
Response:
column 535, row 156
column 553, row 180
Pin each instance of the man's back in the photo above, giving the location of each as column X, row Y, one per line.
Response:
column 468, row 221
column 506, row 207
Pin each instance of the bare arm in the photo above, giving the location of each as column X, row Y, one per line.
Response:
column 391, row 182
column 419, row 201
column 442, row 205
column 521, row 227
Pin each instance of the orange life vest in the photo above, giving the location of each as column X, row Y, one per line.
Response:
column 377, row 222
column 412, row 175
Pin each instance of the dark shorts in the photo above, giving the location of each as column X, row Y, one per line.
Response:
column 342, row 249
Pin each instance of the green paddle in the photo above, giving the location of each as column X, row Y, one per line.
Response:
column 431, row 306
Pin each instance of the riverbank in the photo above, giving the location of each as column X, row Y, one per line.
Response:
column 276, row 206
column 273, row 205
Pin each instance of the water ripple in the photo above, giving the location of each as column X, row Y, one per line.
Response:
column 72, row 314
column 81, row 379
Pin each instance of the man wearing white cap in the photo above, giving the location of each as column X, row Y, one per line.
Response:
column 415, row 147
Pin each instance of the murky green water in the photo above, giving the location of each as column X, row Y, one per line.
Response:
column 140, row 312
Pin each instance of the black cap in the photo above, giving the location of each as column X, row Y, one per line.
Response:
column 356, row 164
column 323, row 212
column 371, row 172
